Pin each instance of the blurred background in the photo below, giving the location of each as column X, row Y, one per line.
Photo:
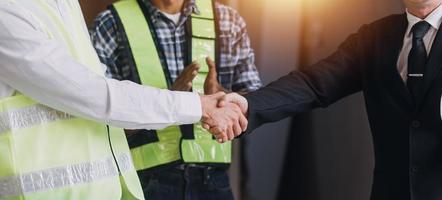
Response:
column 326, row 154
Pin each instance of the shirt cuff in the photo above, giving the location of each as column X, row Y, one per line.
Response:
column 188, row 108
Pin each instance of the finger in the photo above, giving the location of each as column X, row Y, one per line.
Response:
column 184, row 80
column 242, row 120
column 192, row 65
column 220, row 132
column 187, row 71
column 230, row 130
column 235, row 120
column 209, row 61
column 237, row 130
column 220, row 137
column 212, row 69
column 195, row 66
column 218, row 96
column 244, row 123
column 217, row 133
column 188, row 85
column 230, row 133
column 205, row 126
column 191, row 75
column 222, row 102
column 208, row 121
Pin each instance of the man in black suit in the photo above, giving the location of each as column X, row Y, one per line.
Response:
column 396, row 62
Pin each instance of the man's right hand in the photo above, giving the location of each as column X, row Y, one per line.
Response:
column 184, row 80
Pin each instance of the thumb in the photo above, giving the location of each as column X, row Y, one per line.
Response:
column 218, row 96
column 212, row 69
column 234, row 98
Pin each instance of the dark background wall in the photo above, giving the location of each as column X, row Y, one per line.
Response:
column 329, row 150
column 273, row 26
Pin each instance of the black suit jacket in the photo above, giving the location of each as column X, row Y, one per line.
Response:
column 407, row 133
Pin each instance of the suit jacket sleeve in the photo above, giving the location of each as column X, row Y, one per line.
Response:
column 319, row 85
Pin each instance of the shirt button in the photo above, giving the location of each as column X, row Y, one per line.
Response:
column 416, row 124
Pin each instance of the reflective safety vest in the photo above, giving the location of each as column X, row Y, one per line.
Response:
column 49, row 154
column 185, row 144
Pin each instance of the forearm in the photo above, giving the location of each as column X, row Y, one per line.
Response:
column 122, row 104
column 288, row 96
column 133, row 106
column 44, row 70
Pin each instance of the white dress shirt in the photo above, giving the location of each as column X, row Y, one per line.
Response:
column 434, row 19
column 43, row 69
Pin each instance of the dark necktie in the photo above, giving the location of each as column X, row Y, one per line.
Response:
column 417, row 59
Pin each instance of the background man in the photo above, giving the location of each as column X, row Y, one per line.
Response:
column 174, row 25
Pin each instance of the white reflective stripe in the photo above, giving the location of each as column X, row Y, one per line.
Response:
column 125, row 162
column 62, row 177
column 29, row 116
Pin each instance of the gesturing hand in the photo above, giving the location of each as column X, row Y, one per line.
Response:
column 211, row 84
column 184, row 80
column 225, row 122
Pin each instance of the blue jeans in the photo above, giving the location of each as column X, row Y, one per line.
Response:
column 189, row 183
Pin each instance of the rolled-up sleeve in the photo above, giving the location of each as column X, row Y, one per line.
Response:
column 43, row 69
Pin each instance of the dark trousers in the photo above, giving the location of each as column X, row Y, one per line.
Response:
column 187, row 183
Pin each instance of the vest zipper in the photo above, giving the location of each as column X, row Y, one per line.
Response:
column 112, row 150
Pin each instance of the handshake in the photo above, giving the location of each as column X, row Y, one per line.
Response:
column 224, row 115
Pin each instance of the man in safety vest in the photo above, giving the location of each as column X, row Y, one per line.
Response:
column 55, row 102
column 166, row 44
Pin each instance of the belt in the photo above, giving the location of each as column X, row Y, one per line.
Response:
column 193, row 166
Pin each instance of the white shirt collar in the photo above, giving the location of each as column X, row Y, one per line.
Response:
column 434, row 19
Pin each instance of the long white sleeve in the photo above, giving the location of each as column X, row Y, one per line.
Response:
column 43, row 69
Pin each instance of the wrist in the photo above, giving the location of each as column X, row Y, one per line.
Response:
column 203, row 100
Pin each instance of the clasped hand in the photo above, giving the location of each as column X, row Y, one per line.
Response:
column 224, row 115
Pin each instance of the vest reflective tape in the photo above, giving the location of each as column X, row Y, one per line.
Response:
column 29, row 116
column 172, row 147
column 66, row 176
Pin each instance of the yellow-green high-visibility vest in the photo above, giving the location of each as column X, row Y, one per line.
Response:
column 174, row 144
column 48, row 154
